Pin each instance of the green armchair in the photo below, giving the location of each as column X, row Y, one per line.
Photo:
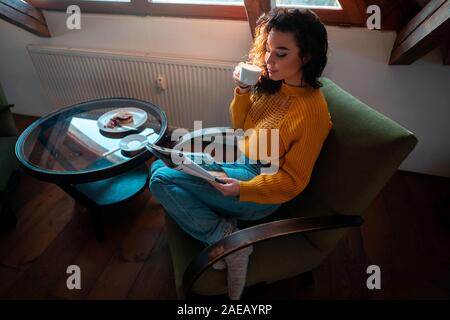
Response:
column 9, row 170
column 361, row 153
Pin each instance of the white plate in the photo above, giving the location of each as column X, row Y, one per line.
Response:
column 139, row 118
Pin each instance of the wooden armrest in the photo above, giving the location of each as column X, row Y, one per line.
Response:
column 260, row 233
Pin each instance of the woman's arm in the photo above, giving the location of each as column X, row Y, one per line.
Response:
column 240, row 105
column 303, row 143
column 239, row 108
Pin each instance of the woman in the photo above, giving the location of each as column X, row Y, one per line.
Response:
column 291, row 47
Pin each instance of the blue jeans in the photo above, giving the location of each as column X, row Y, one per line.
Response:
column 199, row 208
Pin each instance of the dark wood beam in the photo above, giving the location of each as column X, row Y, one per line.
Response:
column 423, row 33
column 25, row 8
column 254, row 9
column 24, row 16
column 415, row 22
column 396, row 14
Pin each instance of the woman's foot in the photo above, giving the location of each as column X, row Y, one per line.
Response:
column 220, row 265
column 237, row 264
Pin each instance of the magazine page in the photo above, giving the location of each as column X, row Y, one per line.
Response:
column 181, row 161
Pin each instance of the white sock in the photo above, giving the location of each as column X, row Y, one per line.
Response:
column 237, row 264
column 220, row 265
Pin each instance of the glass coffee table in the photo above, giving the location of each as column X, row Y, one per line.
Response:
column 74, row 149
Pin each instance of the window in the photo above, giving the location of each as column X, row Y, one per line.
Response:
column 204, row 2
column 328, row 4
column 100, row 6
column 330, row 11
column 109, row 0
column 223, row 9
column 334, row 12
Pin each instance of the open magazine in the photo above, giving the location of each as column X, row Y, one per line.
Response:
column 183, row 162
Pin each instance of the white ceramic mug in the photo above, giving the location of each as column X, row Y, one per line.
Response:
column 249, row 74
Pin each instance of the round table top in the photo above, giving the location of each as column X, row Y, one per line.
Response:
column 69, row 145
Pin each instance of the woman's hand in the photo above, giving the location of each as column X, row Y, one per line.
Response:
column 230, row 189
column 243, row 88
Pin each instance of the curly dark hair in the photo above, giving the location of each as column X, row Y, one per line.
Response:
column 311, row 38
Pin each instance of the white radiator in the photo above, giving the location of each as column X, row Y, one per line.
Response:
column 197, row 89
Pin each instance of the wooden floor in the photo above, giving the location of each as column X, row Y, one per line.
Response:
column 406, row 233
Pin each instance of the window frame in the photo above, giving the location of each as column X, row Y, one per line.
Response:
column 144, row 8
column 347, row 16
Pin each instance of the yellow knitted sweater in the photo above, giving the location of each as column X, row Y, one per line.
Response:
column 303, row 120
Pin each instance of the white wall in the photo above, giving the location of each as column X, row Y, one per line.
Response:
column 415, row 96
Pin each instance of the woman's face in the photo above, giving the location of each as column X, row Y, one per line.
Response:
column 282, row 58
